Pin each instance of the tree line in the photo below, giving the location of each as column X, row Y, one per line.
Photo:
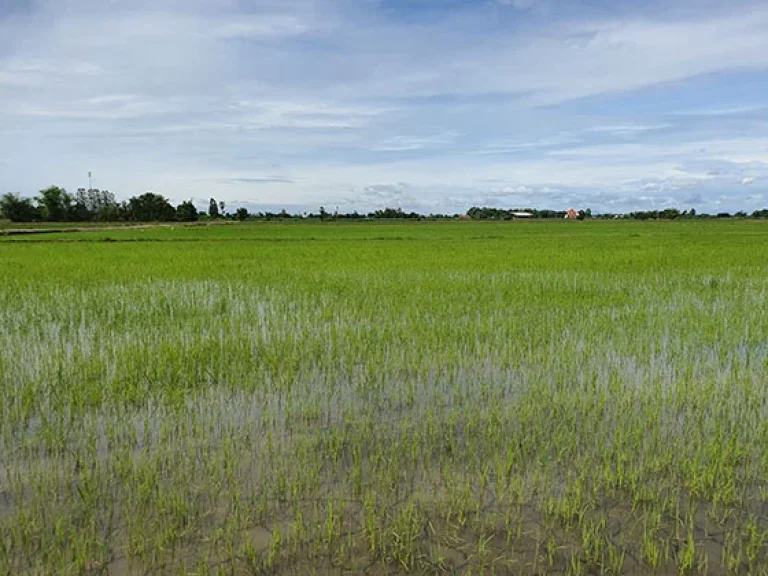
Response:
column 55, row 204
column 674, row 214
column 485, row 213
column 477, row 213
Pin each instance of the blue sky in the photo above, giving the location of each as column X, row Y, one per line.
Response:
column 430, row 105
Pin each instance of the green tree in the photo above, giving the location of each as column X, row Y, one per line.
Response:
column 18, row 209
column 55, row 204
column 186, row 212
column 213, row 208
column 95, row 204
column 242, row 214
column 150, row 207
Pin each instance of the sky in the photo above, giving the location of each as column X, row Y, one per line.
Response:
column 427, row 105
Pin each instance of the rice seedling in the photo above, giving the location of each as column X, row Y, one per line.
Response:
column 582, row 398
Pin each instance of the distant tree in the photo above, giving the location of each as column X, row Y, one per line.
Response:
column 242, row 214
column 669, row 214
column 323, row 214
column 213, row 208
column 80, row 212
column 150, row 207
column 740, row 214
column 124, row 211
column 393, row 213
column 55, row 204
column 18, row 209
column 186, row 212
column 222, row 211
column 109, row 212
column 95, row 204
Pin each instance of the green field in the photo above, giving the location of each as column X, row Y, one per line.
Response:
column 439, row 398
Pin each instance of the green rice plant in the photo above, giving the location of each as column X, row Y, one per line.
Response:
column 484, row 397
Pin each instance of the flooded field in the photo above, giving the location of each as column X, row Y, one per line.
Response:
column 460, row 398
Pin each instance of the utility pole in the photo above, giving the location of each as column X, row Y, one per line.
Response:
column 90, row 183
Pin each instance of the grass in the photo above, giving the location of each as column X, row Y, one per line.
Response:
column 468, row 398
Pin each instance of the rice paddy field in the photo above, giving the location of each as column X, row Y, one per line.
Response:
column 428, row 398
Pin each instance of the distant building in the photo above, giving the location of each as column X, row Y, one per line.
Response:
column 571, row 214
column 522, row 215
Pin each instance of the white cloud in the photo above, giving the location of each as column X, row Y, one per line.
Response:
column 746, row 181
column 519, row 4
column 565, row 61
column 282, row 25
column 38, row 72
column 303, row 114
column 726, row 111
column 627, row 129
column 108, row 107
column 510, row 147
column 402, row 143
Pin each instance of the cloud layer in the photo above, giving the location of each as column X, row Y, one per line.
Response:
column 429, row 104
